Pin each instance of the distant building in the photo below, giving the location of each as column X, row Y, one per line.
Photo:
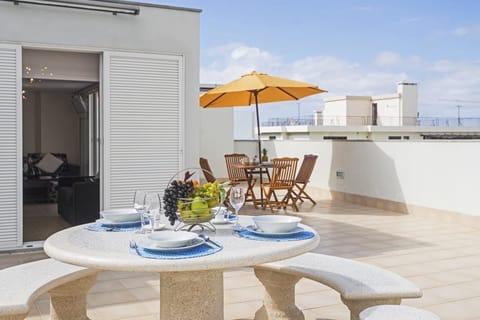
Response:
column 396, row 109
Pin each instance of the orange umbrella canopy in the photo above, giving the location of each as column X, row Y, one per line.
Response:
column 254, row 88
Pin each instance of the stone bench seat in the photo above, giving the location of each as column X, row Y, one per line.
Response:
column 394, row 312
column 360, row 285
column 67, row 285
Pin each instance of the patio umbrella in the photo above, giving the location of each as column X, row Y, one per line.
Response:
column 255, row 88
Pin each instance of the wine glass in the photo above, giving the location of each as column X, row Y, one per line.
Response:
column 152, row 209
column 237, row 199
column 139, row 205
column 139, row 200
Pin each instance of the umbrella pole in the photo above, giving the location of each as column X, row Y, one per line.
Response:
column 258, row 129
column 259, row 147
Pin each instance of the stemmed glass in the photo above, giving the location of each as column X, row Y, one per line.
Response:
column 139, row 200
column 139, row 205
column 237, row 199
column 152, row 208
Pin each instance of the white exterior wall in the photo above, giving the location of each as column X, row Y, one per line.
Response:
column 408, row 103
column 334, row 112
column 155, row 30
column 216, row 137
column 359, row 111
column 434, row 174
column 388, row 110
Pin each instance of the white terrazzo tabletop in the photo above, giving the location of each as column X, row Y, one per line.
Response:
column 110, row 250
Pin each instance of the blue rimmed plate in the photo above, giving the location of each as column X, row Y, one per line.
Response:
column 257, row 231
column 108, row 223
column 150, row 245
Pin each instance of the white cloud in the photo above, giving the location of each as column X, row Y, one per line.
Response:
column 450, row 81
column 387, row 58
column 233, row 60
column 464, row 31
column 438, row 81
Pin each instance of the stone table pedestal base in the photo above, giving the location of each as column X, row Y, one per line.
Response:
column 178, row 288
column 279, row 299
column 69, row 301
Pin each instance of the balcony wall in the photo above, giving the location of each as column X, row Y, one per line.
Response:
column 440, row 175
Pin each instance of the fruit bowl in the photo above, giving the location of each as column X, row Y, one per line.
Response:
column 196, row 210
column 189, row 202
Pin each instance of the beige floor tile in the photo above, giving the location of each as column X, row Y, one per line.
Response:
column 146, row 293
column 107, row 286
column 332, row 312
column 139, row 282
column 243, row 294
column 440, row 255
column 241, row 311
column 110, row 298
column 317, row 299
column 241, row 281
column 129, row 309
column 458, row 310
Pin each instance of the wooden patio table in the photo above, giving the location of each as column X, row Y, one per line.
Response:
column 250, row 170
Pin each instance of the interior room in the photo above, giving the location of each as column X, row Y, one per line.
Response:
column 61, row 132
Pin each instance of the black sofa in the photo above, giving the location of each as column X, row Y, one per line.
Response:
column 40, row 186
column 78, row 199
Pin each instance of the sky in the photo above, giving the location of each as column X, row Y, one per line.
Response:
column 347, row 47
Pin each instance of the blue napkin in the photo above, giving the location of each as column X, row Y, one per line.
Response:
column 244, row 233
column 200, row 251
column 100, row 227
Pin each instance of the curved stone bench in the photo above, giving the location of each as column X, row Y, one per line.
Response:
column 360, row 285
column 67, row 285
column 394, row 312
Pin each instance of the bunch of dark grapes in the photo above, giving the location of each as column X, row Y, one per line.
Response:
column 176, row 190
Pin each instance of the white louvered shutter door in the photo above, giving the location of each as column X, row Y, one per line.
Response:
column 143, row 124
column 10, row 147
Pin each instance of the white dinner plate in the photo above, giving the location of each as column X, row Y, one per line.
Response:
column 145, row 243
column 108, row 223
column 172, row 239
column 121, row 215
column 254, row 229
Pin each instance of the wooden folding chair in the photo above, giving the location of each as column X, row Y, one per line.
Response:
column 237, row 175
column 207, row 171
column 282, row 178
column 303, row 178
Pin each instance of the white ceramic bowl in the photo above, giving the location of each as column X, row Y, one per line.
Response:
column 276, row 224
column 121, row 215
column 172, row 239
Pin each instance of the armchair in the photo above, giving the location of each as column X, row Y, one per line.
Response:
column 79, row 202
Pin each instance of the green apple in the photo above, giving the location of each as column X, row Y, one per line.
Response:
column 200, row 206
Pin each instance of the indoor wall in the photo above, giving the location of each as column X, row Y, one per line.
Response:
column 50, row 124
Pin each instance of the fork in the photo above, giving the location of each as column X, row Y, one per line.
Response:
column 133, row 245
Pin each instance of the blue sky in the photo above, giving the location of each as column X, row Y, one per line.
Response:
column 347, row 47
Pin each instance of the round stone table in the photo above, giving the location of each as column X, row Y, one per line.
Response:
column 189, row 288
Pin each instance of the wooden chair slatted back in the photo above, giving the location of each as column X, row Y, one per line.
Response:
column 283, row 173
column 207, row 171
column 235, row 174
column 306, row 168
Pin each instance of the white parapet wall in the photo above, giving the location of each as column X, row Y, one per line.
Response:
column 441, row 175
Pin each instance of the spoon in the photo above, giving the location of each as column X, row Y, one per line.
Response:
column 207, row 239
